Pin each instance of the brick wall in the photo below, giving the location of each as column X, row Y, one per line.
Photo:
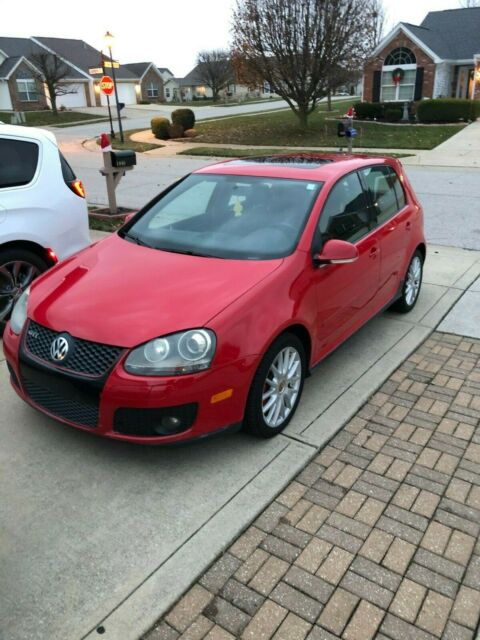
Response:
column 376, row 64
column 151, row 76
column 24, row 72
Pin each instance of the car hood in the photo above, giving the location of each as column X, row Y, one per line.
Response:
column 122, row 294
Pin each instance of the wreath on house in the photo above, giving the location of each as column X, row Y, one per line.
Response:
column 397, row 75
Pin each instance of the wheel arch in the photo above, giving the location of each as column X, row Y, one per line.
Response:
column 28, row 245
column 302, row 333
column 422, row 247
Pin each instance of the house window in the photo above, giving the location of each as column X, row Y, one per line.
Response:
column 402, row 91
column 266, row 87
column 152, row 90
column 403, row 88
column 27, row 90
column 400, row 56
column 167, row 93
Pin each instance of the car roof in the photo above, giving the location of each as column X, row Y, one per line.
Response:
column 32, row 133
column 301, row 166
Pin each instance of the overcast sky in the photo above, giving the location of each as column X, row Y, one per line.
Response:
column 168, row 32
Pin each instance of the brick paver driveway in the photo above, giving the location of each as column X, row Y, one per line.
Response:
column 378, row 537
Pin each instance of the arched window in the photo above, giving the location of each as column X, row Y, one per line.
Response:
column 399, row 75
column 399, row 56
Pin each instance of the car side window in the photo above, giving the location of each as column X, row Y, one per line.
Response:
column 398, row 188
column 380, row 185
column 19, row 160
column 345, row 215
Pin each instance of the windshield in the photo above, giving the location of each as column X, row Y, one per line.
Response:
column 226, row 216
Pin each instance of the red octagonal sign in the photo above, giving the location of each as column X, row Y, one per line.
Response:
column 106, row 85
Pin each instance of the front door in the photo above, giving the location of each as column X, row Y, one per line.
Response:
column 345, row 292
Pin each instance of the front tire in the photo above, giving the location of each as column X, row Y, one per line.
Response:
column 276, row 388
column 18, row 269
column 412, row 285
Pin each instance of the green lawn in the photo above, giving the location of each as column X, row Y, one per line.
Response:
column 281, row 128
column 43, row 118
column 139, row 147
column 228, row 152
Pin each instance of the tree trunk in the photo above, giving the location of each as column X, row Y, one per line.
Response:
column 215, row 95
column 53, row 100
column 302, row 115
column 329, row 100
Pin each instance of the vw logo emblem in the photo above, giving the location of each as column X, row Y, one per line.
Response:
column 59, row 349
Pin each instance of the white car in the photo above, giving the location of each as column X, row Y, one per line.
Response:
column 43, row 211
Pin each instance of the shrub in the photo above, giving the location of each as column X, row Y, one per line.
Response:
column 144, row 102
column 184, row 117
column 369, row 110
column 176, row 130
column 190, row 133
column 393, row 114
column 161, row 128
column 447, row 110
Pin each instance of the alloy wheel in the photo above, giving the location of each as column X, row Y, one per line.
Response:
column 413, row 281
column 282, row 386
column 15, row 277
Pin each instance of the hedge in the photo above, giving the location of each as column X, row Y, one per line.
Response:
column 448, row 110
column 161, row 128
column 184, row 117
column 393, row 114
column 369, row 110
column 176, row 130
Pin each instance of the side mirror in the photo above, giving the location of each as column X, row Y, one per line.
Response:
column 336, row 252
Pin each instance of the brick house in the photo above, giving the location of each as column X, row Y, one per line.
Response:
column 21, row 87
column 150, row 79
column 431, row 60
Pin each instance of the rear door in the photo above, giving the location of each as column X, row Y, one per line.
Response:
column 391, row 215
column 346, row 292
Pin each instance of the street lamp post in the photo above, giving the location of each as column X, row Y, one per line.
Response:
column 108, row 42
column 112, row 132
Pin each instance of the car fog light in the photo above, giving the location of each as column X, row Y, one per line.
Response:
column 171, row 422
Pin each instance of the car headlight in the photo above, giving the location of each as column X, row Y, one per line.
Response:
column 173, row 355
column 19, row 313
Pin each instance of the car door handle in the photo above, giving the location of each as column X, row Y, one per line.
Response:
column 408, row 226
column 373, row 253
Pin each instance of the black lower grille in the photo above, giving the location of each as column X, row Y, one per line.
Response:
column 166, row 421
column 80, row 412
column 84, row 357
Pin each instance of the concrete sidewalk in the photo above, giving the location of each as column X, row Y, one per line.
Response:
column 461, row 150
column 378, row 537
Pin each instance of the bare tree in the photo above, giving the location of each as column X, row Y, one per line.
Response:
column 295, row 44
column 466, row 4
column 378, row 21
column 51, row 72
column 215, row 70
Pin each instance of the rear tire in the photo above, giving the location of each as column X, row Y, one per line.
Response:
column 411, row 286
column 18, row 268
column 276, row 388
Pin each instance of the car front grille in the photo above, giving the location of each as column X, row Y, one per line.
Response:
column 80, row 412
column 86, row 358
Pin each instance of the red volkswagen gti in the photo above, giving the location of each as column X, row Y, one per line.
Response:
column 208, row 309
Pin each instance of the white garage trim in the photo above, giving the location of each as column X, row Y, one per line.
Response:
column 5, row 100
column 126, row 94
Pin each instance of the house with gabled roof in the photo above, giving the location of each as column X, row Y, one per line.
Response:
column 21, row 87
column 150, row 80
column 431, row 60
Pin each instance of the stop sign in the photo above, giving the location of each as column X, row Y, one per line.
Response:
column 106, row 85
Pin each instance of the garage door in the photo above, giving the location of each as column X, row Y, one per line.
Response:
column 72, row 100
column 126, row 94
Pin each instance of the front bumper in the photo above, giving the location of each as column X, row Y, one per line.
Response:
column 98, row 404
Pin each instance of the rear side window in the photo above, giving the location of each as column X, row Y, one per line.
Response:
column 399, row 192
column 67, row 171
column 18, row 162
column 345, row 215
column 380, row 182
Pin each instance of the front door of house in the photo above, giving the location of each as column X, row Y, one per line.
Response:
column 463, row 82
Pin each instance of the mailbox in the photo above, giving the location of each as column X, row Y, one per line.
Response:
column 125, row 158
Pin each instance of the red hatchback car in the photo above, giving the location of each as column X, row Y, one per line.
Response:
column 210, row 306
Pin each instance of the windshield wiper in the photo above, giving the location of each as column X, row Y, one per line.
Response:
column 190, row 252
column 137, row 240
